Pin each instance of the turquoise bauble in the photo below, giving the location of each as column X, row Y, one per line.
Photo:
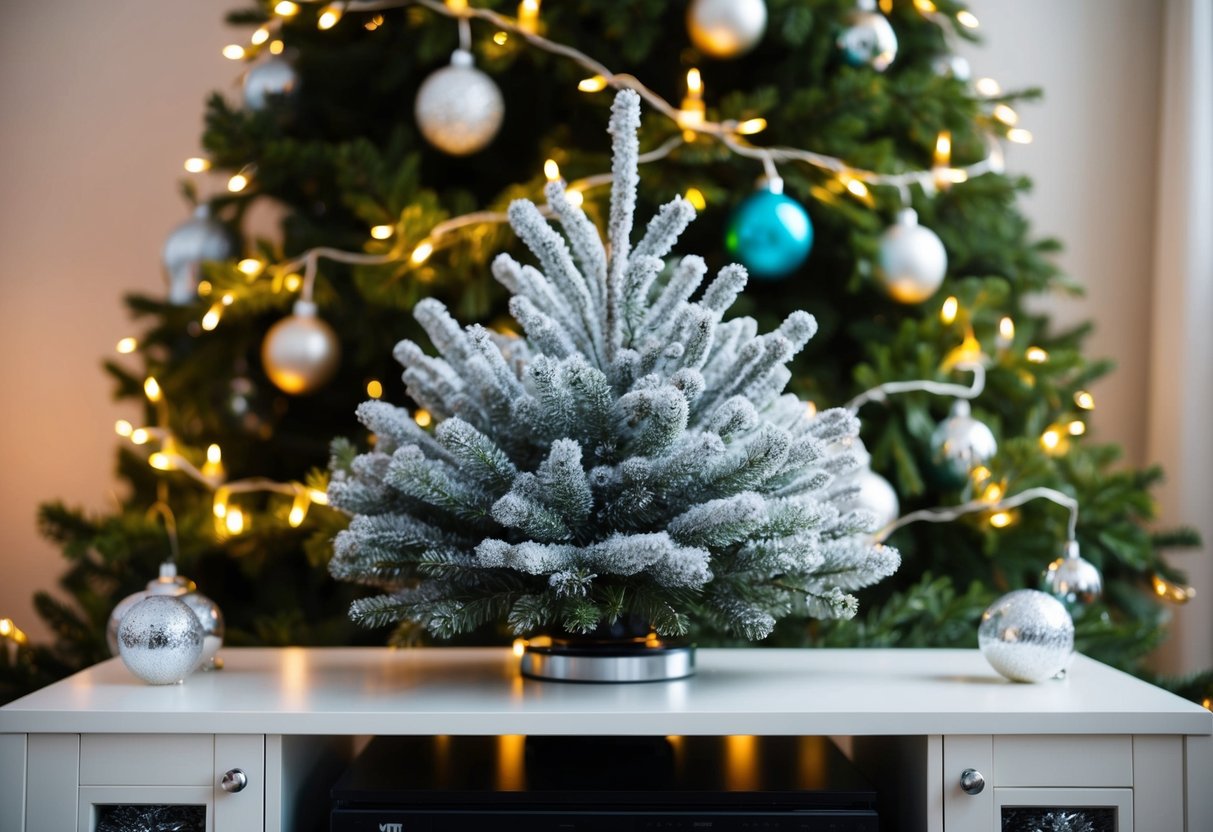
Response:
column 770, row 234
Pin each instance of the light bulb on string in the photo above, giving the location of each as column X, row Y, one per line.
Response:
column 213, row 467
column 967, row 19
column 947, row 312
column 693, row 111
column 233, row 52
column 197, row 164
column 1084, row 400
column 696, row 198
column 1006, row 333
column 299, row 509
column 329, row 17
column 260, row 35
column 528, row 16
column 421, row 252
column 382, row 232
column 595, row 83
column 126, row 346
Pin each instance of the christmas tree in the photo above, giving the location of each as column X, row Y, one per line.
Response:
column 397, row 134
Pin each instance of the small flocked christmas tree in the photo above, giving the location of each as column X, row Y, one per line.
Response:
column 632, row 457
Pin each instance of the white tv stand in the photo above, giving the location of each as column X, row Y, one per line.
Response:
column 914, row 720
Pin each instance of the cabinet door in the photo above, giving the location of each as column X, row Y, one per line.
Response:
column 239, row 809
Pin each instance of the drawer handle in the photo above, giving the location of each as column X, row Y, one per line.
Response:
column 233, row 781
column 972, row 781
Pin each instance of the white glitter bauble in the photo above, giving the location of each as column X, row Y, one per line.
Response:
column 160, row 640
column 726, row 28
column 960, row 443
column 459, row 108
column 1027, row 636
column 301, row 352
column 1073, row 580
column 912, row 261
column 868, row 39
column 275, row 78
column 188, row 246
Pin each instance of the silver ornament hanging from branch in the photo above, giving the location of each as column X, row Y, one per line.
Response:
column 1027, row 636
column 301, row 352
column 459, row 109
column 198, row 240
column 960, row 443
column 272, row 80
column 868, row 39
column 1073, row 580
column 160, row 640
column 726, row 28
column 912, row 261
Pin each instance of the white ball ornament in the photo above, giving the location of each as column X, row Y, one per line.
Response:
column 301, row 352
column 726, row 28
column 871, row 492
column 272, row 79
column 1027, row 636
column 912, row 261
column 1073, row 580
column 160, row 640
column 459, row 109
column 960, row 443
column 868, row 39
column 199, row 239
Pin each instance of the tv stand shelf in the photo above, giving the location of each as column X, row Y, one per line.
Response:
column 914, row 720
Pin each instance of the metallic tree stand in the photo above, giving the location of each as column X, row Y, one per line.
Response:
column 638, row 661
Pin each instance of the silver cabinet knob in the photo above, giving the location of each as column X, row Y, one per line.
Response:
column 233, row 781
column 972, row 781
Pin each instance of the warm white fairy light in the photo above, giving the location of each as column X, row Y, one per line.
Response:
column 374, row 388
column 1084, row 400
column 383, row 232
column 250, row 266
column 947, row 312
column 751, row 126
column 233, row 520
column 276, row 47
column 501, row 38
column 696, row 198
column 551, row 170
column 237, row 183
column 422, row 252
column 1036, row 355
column 694, row 111
column 211, row 319
column 329, row 17
column 1006, row 115
column 595, row 83
column 127, row 345
column 123, row 428
column 286, row 8
column 528, row 16
column 151, row 389
column 575, row 197
column 967, row 19
column 260, row 36
column 423, row 418
column 988, row 87
column 1006, row 332
column 1019, row 135
column 233, row 52
column 138, row 436
column 197, row 164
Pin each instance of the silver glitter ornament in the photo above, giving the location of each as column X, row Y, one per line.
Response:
column 868, row 39
column 199, row 239
column 169, row 583
column 726, row 28
column 270, row 80
column 1027, row 636
column 210, row 617
column 160, row 640
column 1073, row 580
column 459, row 109
column 912, row 261
column 960, row 443
column 301, row 352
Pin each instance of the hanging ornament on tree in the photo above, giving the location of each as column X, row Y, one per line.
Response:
column 868, row 39
column 301, row 352
column 1073, row 580
column 160, row 640
column 872, row 492
column 769, row 233
column 1027, row 636
column 197, row 240
column 269, row 81
column 960, row 443
column 726, row 28
column 172, row 585
column 912, row 261
column 951, row 66
column 459, row 108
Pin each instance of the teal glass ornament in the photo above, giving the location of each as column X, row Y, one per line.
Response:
column 769, row 233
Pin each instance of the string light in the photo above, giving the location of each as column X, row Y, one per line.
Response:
column 575, row 197
column 276, row 47
column 501, row 38
column 1053, row 440
column 925, row 6
column 967, row 19
column 140, row 436
column 947, row 312
column 196, row 164
column 551, row 170
column 219, row 502
column 751, row 126
column 374, row 388
column 988, row 87
column 1001, row 519
column 238, row 182
column 1084, row 400
column 286, row 8
column 211, row 319
column 9, row 630
column 422, row 252
column 943, row 148
column 151, row 389
column 693, row 110
column 1076, row 427
column 374, row 23
column 1172, row 591
column 260, row 36
column 1036, row 355
column 595, row 83
column 1006, row 332
column 233, row 52
column 423, row 418
column 329, row 17
column 292, row 282
column 299, row 507
column 204, row 288
column 696, row 198
column 250, row 266
column 528, row 16
column 234, row 521
column 1006, row 115
column 161, row 461
column 1019, row 135
column 123, row 428
column 127, row 345
column 318, row 497
column 382, row 232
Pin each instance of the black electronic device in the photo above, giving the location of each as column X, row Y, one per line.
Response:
column 602, row 784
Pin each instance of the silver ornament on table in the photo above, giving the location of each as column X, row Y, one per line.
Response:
column 726, row 28
column 271, row 80
column 868, row 39
column 199, row 239
column 912, row 261
column 160, row 640
column 960, row 443
column 871, row 492
column 459, row 109
column 171, row 584
column 301, row 352
column 1072, row 579
column 1027, row 636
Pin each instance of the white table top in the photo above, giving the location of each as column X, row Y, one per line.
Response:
column 352, row 691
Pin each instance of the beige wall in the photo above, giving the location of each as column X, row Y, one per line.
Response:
column 101, row 101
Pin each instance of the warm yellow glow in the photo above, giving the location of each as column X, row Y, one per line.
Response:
column 925, row 6
column 740, row 763
column 528, row 16
column 374, row 388
column 1077, row 427
column 1006, row 115
column 196, row 164
column 422, row 253
column 214, row 454
column 219, row 503
column 751, row 126
column 234, row 520
column 511, row 763
column 204, row 288
column 575, row 197
column 694, row 83
column 551, row 170
column 987, row 87
column 993, row 493
column 947, row 312
column 6, row 626
column 943, row 148
column 1001, row 519
column 233, row 51
column 855, row 186
column 980, row 474
column 1172, row 591
column 423, row 418
column 285, row 8
column 127, row 345
column 966, row 352
column 151, row 389
column 519, row 646
column 1084, row 400
column 886, row 6
column 810, row 409
column 595, row 83
column 276, row 47
column 1036, row 355
column 1207, row 703
column 260, row 36
column 211, row 319
column 292, row 282
column 501, row 38
column 140, row 436
column 250, row 266
column 318, row 497
column 237, row 183
column 695, row 197
column 1006, row 331
column 382, row 232
column 952, row 176
column 1050, row 440
column 374, row 23
column 967, row 19
column 1019, row 135
column 298, row 510
column 123, row 428
column 329, row 17
column 10, row 631
column 160, row 461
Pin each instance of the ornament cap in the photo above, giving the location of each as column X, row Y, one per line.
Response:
column 168, row 571
column 304, row 309
column 202, row 211
column 907, row 217
column 960, row 408
column 774, row 184
column 1072, row 552
column 866, row 5
column 461, row 57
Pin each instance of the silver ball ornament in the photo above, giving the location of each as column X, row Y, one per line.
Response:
column 1072, row 579
column 210, row 617
column 301, row 352
column 168, row 583
column 868, row 39
column 188, row 246
column 1027, row 636
column 273, row 79
column 868, row 491
column 726, row 28
column 912, row 261
column 960, row 443
column 459, row 109
column 160, row 640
